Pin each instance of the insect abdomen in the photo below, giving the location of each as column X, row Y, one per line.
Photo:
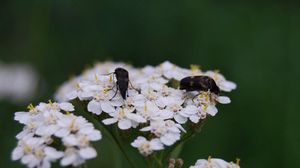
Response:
column 123, row 86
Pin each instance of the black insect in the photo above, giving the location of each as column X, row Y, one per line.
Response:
column 199, row 83
column 122, row 76
column 122, row 82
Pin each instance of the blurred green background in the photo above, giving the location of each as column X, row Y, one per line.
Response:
column 255, row 44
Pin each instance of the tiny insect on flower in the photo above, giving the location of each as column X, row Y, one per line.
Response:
column 199, row 83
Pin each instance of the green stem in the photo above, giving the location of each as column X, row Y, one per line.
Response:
column 112, row 137
column 158, row 161
column 148, row 162
column 118, row 141
column 191, row 132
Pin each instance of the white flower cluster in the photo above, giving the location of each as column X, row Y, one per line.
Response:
column 11, row 75
column 151, row 105
column 215, row 163
column 50, row 133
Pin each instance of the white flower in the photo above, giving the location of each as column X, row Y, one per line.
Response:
column 83, row 137
column 66, row 106
column 170, row 71
column 70, row 124
column 153, row 101
column 146, row 147
column 222, row 83
column 215, row 163
column 206, row 104
column 125, row 118
column 33, row 152
column 18, row 82
column 25, row 117
column 167, row 131
column 153, row 81
column 45, row 121
column 174, row 105
column 76, row 157
column 189, row 112
column 101, row 102
column 82, row 90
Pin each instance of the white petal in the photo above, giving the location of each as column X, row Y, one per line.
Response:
column 138, row 141
column 72, row 95
column 22, row 117
column 190, row 109
column 227, row 86
column 180, row 127
column 109, row 121
column 107, row 107
column 136, row 118
column 68, row 159
column 94, row 107
column 17, row 153
column 156, row 144
column 53, row 153
column 223, row 100
column 95, row 136
column 219, row 163
column 167, row 140
column 194, row 119
column 180, row 119
column 167, row 65
column 212, row 110
column 23, row 134
column 62, row 132
column 85, row 95
column 70, row 140
column 46, row 164
column 166, row 114
column 46, row 130
column 27, row 159
column 88, row 153
column 124, row 124
column 200, row 163
column 174, row 130
column 66, row 106
column 117, row 102
column 146, row 129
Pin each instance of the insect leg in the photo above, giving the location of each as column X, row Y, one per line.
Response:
column 195, row 97
column 114, row 94
column 138, row 90
column 113, row 87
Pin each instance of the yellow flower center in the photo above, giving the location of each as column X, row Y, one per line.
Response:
column 145, row 107
column 110, row 78
column 145, row 146
column 50, row 102
column 39, row 153
column 216, row 75
column 195, row 68
column 96, row 77
column 77, row 86
column 30, row 107
column 122, row 114
column 72, row 125
column 27, row 148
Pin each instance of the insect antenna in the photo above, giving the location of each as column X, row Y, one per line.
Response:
column 107, row 74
